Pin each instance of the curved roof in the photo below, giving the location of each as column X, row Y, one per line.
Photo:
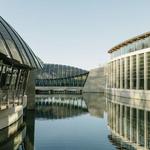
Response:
column 56, row 71
column 136, row 38
column 14, row 48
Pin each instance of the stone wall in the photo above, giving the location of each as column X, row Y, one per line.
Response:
column 95, row 81
column 31, row 90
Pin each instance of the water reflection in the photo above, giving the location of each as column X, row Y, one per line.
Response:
column 12, row 137
column 19, row 135
column 96, row 104
column 60, row 106
column 63, row 106
column 30, row 130
column 129, row 123
column 71, row 122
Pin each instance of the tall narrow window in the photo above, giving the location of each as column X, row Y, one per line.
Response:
column 148, row 70
column 128, row 72
column 118, row 73
column 141, row 71
column 134, row 72
column 123, row 73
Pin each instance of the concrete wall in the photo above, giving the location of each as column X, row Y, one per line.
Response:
column 10, row 115
column 31, row 90
column 133, row 94
column 95, row 81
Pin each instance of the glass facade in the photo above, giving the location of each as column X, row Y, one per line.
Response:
column 134, row 72
column 14, row 47
column 16, row 61
column 131, row 47
column 61, row 75
column 131, row 71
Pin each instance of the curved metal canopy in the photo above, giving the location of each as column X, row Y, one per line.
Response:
column 14, row 48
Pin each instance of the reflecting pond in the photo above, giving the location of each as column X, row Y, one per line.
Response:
column 80, row 122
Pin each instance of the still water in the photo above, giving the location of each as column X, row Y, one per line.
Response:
column 80, row 122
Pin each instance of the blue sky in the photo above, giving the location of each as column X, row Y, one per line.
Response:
column 76, row 32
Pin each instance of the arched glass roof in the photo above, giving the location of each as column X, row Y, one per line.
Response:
column 14, row 48
column 57, row 71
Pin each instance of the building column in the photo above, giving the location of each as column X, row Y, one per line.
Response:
column 131, row 72
column 137, row 72
column 125, row 71
column 145, row 71
column 114, row 75
column 121, row 74
column 109, row 75
column 117, row 74
column 31, row 90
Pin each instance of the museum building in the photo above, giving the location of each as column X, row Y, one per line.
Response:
column 128, row 71
column 16, row 62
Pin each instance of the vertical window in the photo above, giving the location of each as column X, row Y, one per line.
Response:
column 148, row 70
column 141, row 71
column 134, row 72
column 123, row 73
column 128, row 72
column 119, row 73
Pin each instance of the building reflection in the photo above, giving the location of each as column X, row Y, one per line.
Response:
column 30, row 130
column 12, row 137
column 129, row 124
column 65, row 106
column 96, row 104
column 19, row 135
column 60, row 106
